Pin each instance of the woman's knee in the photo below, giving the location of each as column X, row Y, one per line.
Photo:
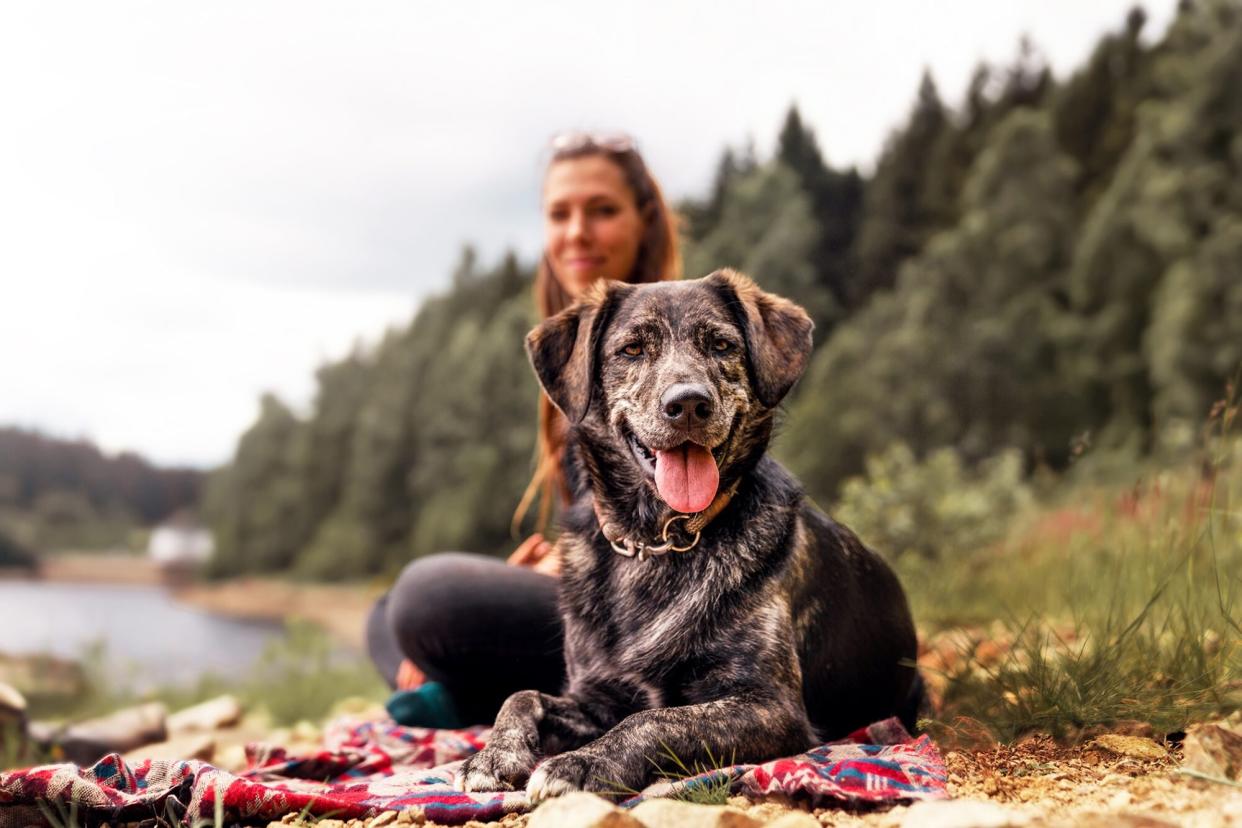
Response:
column 425, row 600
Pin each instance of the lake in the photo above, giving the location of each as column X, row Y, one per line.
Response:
column 149, row 637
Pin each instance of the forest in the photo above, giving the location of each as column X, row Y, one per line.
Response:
column 67, row 494
column 1041, row 277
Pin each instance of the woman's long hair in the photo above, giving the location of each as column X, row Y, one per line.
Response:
column 658, row 260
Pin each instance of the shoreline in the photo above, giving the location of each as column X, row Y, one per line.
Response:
column 338, row 609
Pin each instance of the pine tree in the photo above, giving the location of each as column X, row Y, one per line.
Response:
column 895, row 219
column 1172, row 191
column 254, row 503
column 768, row 231
column 836, row 203
column 966, row 350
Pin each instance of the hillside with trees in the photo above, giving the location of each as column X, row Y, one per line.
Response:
column 1047, row 265
column 57, row 494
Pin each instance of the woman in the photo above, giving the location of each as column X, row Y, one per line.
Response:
column 458, row 632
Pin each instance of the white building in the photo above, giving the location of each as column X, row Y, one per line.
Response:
column 176, row 544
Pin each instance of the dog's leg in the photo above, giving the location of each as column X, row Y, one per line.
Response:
column 529, row 724
column 743, row 728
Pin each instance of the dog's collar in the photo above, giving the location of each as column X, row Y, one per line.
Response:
column 694, row 526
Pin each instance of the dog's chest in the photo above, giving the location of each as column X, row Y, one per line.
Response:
column 640, row 621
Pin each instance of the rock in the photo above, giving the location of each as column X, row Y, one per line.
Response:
column 12, row 721
column 305, row 731
column 12, row 703
column 766, row 812
column 1215, row 749
column 12, row 708
column 231, row 758
column 963, row 813
column 43, row 676
column 1134, row 747
column 670, row 813
column 1126, row 820
column 359, row 707
column 85, row 742
column 794, row 819
column 222, row 711
column 581, row 810
column 193, row 746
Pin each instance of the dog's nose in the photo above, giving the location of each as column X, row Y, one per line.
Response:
column 687, row 405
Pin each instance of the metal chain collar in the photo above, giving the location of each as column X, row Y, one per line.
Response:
column 695, row 523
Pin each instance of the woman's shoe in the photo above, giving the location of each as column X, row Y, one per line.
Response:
column 428, row 705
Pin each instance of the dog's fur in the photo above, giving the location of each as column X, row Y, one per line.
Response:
column 779, row 630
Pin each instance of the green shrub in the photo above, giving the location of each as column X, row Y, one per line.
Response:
column 934, row 508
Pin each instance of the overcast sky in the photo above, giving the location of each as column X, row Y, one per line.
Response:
column 200, row 202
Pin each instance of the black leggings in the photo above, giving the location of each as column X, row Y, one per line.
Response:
column 481, row 628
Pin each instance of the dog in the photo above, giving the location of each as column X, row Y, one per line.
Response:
column 710, row 613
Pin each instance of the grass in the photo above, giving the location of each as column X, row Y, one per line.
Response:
column 1122, row 606
column 712, row 790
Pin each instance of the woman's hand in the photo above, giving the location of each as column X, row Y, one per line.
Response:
column 537, row 554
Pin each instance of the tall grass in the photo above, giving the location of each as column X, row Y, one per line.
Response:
column 1124, row 606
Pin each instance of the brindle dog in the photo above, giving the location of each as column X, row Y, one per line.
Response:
column 777, row 630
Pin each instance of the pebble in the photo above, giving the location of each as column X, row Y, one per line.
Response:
column 222, row 711
column 963, row 813
column 194, row 746
column 794, row 819
column 85, row 742
column 669, row 813
column 1214, row 749
column 581, row 810
column 1135, row 747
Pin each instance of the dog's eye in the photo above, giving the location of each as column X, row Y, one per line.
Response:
column 633, row 350
column 721, row 346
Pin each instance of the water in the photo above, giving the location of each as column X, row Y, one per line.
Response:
column 149, row 638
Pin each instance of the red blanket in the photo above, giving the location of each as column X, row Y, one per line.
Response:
column 369, row 767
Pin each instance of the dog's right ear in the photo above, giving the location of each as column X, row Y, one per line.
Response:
column 562, row 349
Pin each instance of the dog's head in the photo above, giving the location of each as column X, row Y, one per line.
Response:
column 672, row 385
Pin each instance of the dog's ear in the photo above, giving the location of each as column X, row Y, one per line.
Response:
column 777, row 331
column 562, row 349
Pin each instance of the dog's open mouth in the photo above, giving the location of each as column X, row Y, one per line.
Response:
column 686, row 476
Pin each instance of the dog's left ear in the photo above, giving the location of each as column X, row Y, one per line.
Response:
column 562, row 349
column 777, row 331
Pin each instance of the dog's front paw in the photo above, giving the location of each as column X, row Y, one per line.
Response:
column 573, row 771
column 494, row 768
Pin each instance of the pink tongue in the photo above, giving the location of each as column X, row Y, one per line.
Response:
column 687, row 477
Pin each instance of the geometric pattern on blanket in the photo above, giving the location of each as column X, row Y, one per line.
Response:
column 368, row 767
column 879, row 763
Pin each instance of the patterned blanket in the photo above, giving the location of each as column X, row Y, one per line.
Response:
column 368, row 767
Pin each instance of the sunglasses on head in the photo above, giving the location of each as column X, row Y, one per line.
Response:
column 574, row 141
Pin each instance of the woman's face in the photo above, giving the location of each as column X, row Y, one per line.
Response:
column 591, row 225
